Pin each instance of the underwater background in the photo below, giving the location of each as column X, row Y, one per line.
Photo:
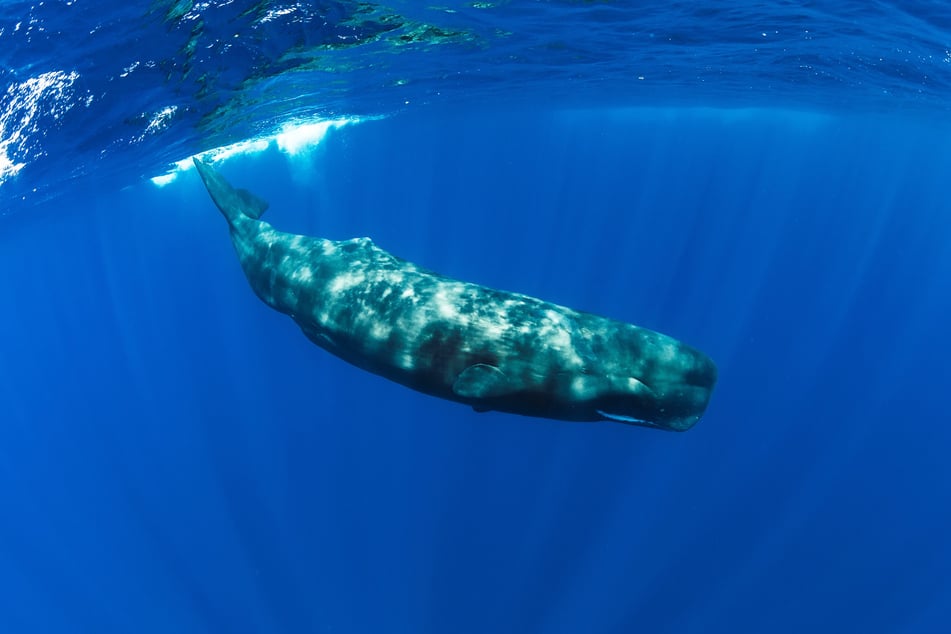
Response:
column 765, row 181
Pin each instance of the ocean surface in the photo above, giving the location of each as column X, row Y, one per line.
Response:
column 766, row 181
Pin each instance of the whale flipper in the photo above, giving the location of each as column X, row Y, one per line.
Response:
column 482, row 381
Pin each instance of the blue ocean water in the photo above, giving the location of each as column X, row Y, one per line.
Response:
column 767, row 182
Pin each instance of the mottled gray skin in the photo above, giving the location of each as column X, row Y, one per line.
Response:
column 490, row 349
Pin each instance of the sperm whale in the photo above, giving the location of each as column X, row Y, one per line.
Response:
column 490, row 349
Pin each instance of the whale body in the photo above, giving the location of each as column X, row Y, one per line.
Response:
column 490, row 349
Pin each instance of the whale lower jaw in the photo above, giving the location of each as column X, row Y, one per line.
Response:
column 677, row 424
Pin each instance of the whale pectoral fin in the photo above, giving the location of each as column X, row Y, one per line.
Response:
column 482, row 381
column 251, row 204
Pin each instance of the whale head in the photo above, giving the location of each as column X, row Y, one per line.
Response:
column 670, row 391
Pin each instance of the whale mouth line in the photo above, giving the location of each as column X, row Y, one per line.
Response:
column 676, row 424
column 621, row 418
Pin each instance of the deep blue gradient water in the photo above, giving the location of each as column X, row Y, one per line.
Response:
column 176, row 456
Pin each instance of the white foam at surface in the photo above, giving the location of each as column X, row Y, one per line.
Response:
column 293, row 139
column 46, row 94
column 300, row 138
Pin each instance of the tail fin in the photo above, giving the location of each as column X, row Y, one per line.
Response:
column 233, row 203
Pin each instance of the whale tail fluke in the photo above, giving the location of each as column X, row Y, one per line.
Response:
column 234, row 203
